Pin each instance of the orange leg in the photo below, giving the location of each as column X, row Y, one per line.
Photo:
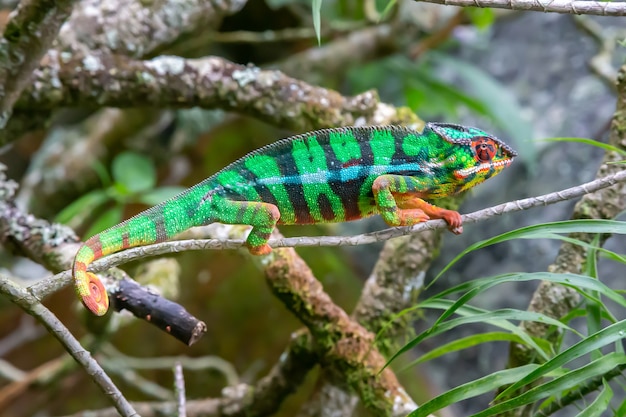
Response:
column 408, row 201
column 399, row 203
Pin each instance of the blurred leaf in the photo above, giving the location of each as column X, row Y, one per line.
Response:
column 387, row 9
column 502, row 104
column 134, row 171
column 108, row 219
column 586, row 141
column 275, row 4
column 621, row 411
column 557, row 385
column 437, row 97
column 158, row 195
column 472, row 389
column 79, row 210
column 316, row 10
column 600, row 404
column 429, row 95
column 480, row 17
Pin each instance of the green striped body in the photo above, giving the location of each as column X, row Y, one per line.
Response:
column 332, row 175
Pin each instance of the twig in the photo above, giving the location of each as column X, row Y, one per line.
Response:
column 179, row 389
column 62, row 279
column 32, row 306
column 556, row 6
column 133, row 379
column 118, row 359
column 29, row 33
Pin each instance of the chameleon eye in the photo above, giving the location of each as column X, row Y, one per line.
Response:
column 484, row 148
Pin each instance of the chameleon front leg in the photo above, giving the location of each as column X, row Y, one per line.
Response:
column 261, row 216
column 399, row 204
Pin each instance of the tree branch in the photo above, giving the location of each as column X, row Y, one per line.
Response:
column 609, row 8
column 32, row 306
column 100, row 80
column 29, row 33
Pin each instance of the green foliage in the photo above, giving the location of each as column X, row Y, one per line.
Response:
column 590, row 142
column 133, row 178
column 316, row 11
column 481, row 17
column 562, row 370
column 427, row 89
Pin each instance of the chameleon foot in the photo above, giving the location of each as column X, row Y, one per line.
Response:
column 260, row 250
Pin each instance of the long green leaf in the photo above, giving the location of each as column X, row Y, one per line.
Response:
column 544, row 230
column 472, row 389
column 572, row 280
column 594, row 309
column 602, row 338
column 467, row 342
column 497, row 318
column 567, row 381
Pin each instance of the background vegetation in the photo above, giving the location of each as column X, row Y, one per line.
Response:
column 108, row 107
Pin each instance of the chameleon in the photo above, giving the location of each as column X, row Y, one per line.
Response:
column 329, row 175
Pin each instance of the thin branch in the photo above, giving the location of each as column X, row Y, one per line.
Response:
column 32, row 306
column 29, row 33
column 609, row 8
column 119, row 360
column 62, row 279
column 179, row 389
column 260, row 399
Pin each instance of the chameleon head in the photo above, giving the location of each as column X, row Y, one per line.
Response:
column 476, row 155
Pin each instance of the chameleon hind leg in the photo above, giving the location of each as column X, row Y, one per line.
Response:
column 399, row 204
column 261, row 216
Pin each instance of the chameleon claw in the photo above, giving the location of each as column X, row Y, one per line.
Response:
column 454, row 220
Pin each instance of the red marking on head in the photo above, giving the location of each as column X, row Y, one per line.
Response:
column 484, row 148
column 350, row 163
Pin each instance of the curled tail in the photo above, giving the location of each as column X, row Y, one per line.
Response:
column 89, row 288
column 151, row 226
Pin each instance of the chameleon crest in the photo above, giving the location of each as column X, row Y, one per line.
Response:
column 330, row 175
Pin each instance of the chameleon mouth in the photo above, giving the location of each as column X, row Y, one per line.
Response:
column 496, row 166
